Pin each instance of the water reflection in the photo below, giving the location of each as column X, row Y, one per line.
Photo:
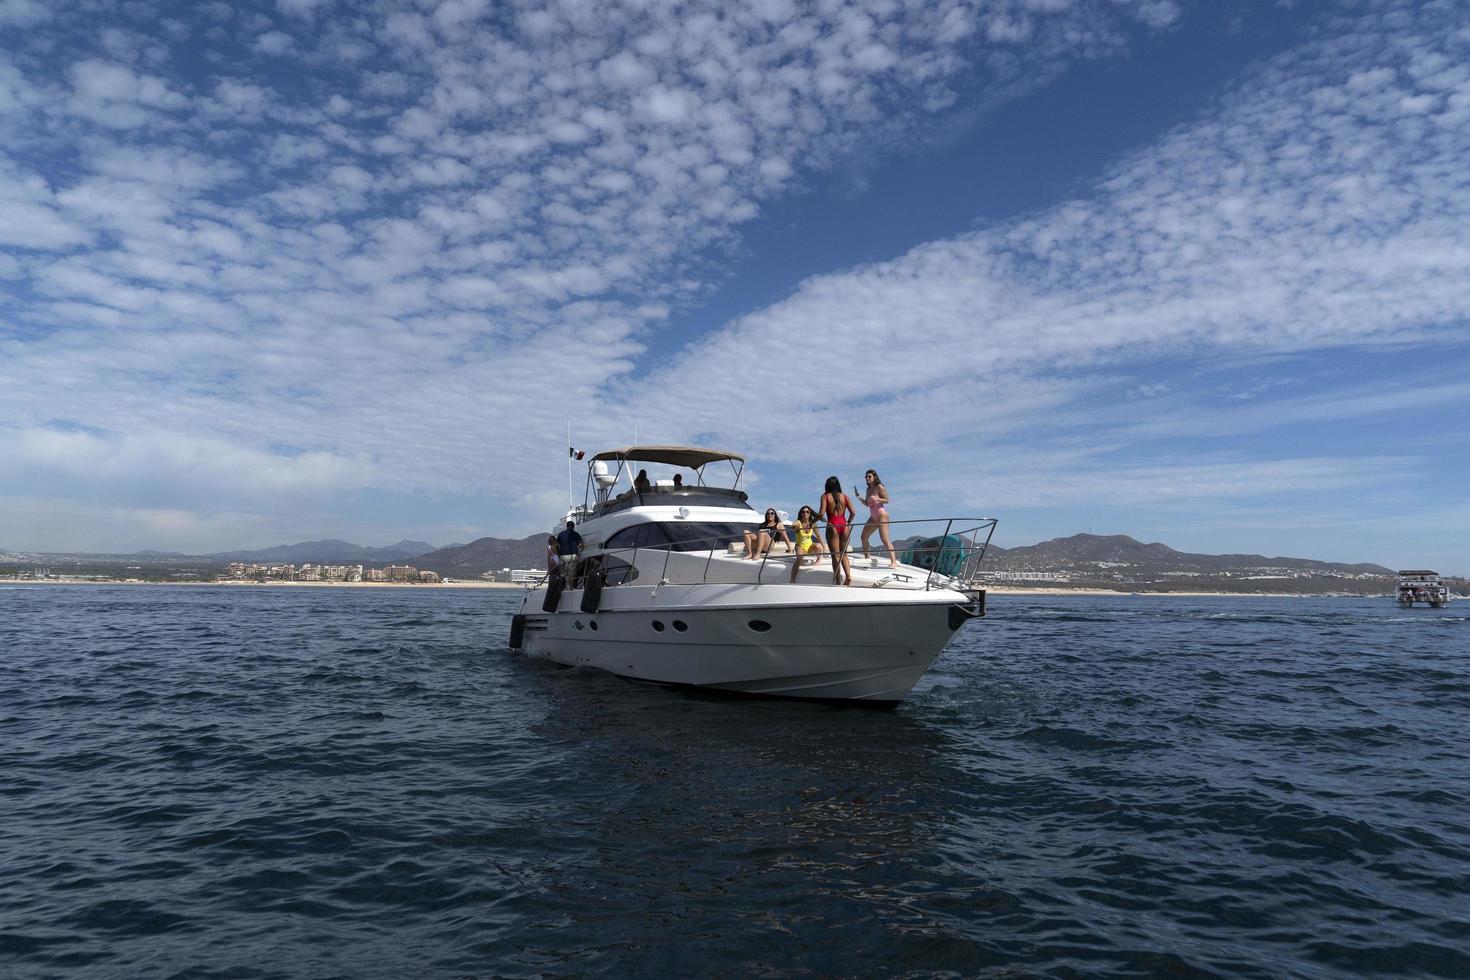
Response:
column 767, row 811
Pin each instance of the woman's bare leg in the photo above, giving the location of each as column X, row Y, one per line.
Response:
column 867, row 533
column 796, row 565
column 883, row 534
column 834, row 545
column 846, row 536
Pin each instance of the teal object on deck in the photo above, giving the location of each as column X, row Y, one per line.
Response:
column 943, row 555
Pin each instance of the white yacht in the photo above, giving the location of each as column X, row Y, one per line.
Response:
column 663, row 592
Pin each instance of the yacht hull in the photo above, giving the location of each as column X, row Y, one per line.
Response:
column 863, row 645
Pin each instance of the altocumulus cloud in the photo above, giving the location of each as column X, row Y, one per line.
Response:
column 369, row 230
column 1323, row 202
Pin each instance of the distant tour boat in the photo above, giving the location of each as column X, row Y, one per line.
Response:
column 1422, row 585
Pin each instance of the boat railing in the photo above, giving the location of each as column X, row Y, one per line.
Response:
column 949, row 559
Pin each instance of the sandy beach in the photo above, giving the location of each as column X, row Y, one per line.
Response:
column 276, row 584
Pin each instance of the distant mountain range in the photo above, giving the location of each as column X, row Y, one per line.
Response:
column 1120, row 562
column 1123, row 550
column 1112, row 561
column 1089, row 556
column 485, row 554
column 327, row 552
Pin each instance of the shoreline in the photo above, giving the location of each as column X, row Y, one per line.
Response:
column 990, row 590
column 1224, row 595
column 276, row 584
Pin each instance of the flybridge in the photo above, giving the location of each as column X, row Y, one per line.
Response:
column 690, row 456
column 603, row 497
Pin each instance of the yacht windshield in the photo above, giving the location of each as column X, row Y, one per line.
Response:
column 677, row 536
column 679, row 496
column 698, row 536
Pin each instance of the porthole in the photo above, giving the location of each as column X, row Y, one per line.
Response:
column 680, row 625
column 759, row 625
column 657, row 626
column 579, row 625
column 593, row 624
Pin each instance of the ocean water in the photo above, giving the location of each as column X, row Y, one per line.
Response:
column 259, row 782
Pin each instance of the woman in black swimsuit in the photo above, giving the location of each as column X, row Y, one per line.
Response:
column 760, row 540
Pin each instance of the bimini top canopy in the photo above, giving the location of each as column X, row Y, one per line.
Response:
column 690, row 456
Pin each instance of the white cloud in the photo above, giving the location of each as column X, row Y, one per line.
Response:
column 25, row 224
column 184, row 467
column 300, row 8
column 116, row 97
column 666, row 105
column 21, row 13
column 274, row 42
column 1420, row 401
column 165, row 166
column 239, row 100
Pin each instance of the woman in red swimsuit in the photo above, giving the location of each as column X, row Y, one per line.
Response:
column 838, row 512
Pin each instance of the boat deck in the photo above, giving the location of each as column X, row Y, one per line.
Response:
column 728, row 566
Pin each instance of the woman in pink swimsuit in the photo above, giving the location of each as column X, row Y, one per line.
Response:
column 838, row 512
column 877, row 500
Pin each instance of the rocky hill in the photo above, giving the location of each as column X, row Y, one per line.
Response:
column 1122, row 550
column 485, row 554
column 329, row 552
column 1120, row 562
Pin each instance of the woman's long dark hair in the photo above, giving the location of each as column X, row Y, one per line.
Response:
column 771, row 516
column 877, row 480
column 834, row 487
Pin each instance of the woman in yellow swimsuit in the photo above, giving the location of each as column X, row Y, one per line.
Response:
column 807, row 541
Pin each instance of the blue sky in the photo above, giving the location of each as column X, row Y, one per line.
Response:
column 1196, row 272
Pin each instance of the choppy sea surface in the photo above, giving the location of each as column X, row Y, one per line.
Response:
column 279, row 782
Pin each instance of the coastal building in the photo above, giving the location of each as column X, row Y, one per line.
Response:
column 520, row 576
column 1025, row 576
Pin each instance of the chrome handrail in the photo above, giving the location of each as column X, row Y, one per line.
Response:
column 964, row 576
